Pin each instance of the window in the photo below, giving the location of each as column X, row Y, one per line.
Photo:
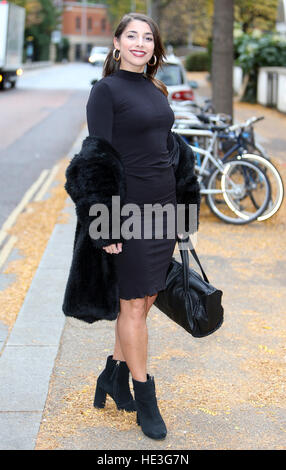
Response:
column 77, row 23
column 103, row 24
column 89, row 24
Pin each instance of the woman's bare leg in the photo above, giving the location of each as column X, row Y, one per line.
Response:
column 118, row 354
column 133, row 335
column 150, row 301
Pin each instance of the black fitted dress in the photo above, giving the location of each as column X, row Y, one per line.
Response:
column 134, row 116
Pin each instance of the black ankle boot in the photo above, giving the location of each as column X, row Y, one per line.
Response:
column 114, row 380
column 148, row 414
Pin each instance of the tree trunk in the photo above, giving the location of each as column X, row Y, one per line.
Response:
column 222, row 56
column 156, row 11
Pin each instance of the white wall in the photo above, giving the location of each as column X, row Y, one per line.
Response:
column 237, row 78
column 262, row 86
column 281, row 105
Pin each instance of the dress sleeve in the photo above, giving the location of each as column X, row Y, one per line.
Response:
column 99, row 111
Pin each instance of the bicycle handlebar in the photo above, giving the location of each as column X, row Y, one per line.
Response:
column 247, row 123
column 211, row 118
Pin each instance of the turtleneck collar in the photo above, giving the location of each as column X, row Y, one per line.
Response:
column 129, row 75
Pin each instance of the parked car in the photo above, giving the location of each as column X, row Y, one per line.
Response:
column 98, row 55
column 173, row 74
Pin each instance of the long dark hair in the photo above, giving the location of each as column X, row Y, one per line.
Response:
column 111, row 65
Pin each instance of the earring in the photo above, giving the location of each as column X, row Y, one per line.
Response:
column 114, row 57
column 154, row 62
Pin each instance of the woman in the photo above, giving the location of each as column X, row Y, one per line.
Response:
column 129, row 109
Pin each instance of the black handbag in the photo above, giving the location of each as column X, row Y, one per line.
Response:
column 188, row 299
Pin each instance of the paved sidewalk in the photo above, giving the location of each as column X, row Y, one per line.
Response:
column 29, row 352
column 226, row 391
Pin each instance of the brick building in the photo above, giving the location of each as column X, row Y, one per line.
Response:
column 85, row 25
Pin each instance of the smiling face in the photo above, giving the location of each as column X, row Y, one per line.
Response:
column 136, row 45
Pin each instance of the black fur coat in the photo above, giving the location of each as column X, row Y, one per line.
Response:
column 93, row 176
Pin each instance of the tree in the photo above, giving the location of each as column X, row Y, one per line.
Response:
column 157, row 8
column 41, row 31
column 186, row 20
column 259, row 14
column 175, row 18
column 222, row 56
column 33, row 11
column 118, row 8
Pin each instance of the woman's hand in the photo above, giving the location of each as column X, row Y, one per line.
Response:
column 115, row 248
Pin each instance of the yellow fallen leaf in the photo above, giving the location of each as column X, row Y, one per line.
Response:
column 209, row 412
column 266, row 349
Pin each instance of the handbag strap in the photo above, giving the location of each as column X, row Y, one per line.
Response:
column 185, row 259
column 198, row 261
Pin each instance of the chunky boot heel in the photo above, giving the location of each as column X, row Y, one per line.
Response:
column 114, row 381
column 99, row 397
column 148, row 414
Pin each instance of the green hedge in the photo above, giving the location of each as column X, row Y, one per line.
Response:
column 253, row 51
column 197, row 62
column 62, row 49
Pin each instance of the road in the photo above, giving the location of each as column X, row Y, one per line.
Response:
column 39, row 121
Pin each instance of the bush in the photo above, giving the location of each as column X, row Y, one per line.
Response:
column 197, row 62
column 255, row 51
column 62, row 49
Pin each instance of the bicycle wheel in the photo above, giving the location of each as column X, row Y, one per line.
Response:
column 277, row 187
column 239, row 193
column 257, row 149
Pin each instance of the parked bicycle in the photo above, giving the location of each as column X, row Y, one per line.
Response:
column 237, row 191
column 242, row 144
column 229, row 142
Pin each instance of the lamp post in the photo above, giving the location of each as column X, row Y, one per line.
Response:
column 149, row 8
column 83, row 27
